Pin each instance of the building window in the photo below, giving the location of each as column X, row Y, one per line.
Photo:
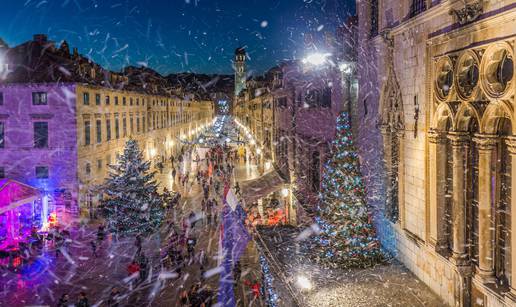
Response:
column 137, row 124
column 447, row 246
column 124, row 102
column 107, row 100
column 316, row 179
column 97, row 99
column 99, row 130
column 374, row 17
column 503, row 219
column 2, row 172
column 42, row 172
column 282, row 102
column 124, row 126
column 392, row 158
column 131, row 101
column 417, row 7
column 39, row 98
column 40, row 134
column 117, row 128
column 99, row 164
column 1, row 98
column 137, row 101
column 2, row 135
column 116, row 100
column 86, row 98
column 143, row 123
column 87, row 133
column 131, row 125
column 88, row 168
column 108, row 129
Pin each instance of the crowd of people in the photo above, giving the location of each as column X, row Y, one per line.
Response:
column 185, row 249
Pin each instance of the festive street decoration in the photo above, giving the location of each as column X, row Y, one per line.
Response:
column 347, row 237
column 132, row 204
column 271, row 296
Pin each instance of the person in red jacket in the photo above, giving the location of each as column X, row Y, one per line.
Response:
column 255, row 288
column 133, row 268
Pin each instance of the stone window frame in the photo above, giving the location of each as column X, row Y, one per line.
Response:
column 39, row 98
column 491, row 142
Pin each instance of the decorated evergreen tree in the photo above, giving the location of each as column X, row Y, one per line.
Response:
column 131, row 204
column 347, row 237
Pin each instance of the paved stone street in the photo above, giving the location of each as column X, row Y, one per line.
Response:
column 389, row 284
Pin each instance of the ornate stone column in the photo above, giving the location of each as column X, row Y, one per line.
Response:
column 511, row 147
column 459, row 141
column 437, row 167
column 486, row 145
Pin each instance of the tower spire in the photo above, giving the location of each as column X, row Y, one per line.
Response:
column 240, row 74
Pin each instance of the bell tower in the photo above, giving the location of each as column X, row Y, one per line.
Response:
column 240, row 75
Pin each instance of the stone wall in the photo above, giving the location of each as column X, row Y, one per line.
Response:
column 417, row 41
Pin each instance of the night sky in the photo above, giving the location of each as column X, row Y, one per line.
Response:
column 176, row 35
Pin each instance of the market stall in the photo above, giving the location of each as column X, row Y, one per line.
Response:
column 21, row 213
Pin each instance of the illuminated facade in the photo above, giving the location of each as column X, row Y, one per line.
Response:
column 291, row 113
column 58, row 132
column 437, row 93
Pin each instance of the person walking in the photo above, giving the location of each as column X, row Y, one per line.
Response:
column 133, row 270
column 138, row 243
column 114, row 296
column 64, row 300
column 94, row 248
column 184, row 298
column 82, row 300
column 190, row 243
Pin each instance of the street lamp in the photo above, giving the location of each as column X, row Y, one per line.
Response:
column 284, row 192
column 316, row 59
column 345, row 68
column 267, row 165
column 303, row 282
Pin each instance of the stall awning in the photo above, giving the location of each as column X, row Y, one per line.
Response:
column 254, row 189
column 14, row 193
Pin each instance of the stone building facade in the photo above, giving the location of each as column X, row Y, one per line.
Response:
column 291, row 113
column 63, row 119
column 436, row 92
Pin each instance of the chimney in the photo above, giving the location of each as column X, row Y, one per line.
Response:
column 40, row 38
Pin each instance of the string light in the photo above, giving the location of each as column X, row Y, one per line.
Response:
column 347, row 237
column 268, row 286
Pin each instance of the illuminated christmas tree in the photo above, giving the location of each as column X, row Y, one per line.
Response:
column 131, row 204
column 347, row 237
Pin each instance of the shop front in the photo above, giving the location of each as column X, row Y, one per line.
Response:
column 25, row 214
column 268, row 200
